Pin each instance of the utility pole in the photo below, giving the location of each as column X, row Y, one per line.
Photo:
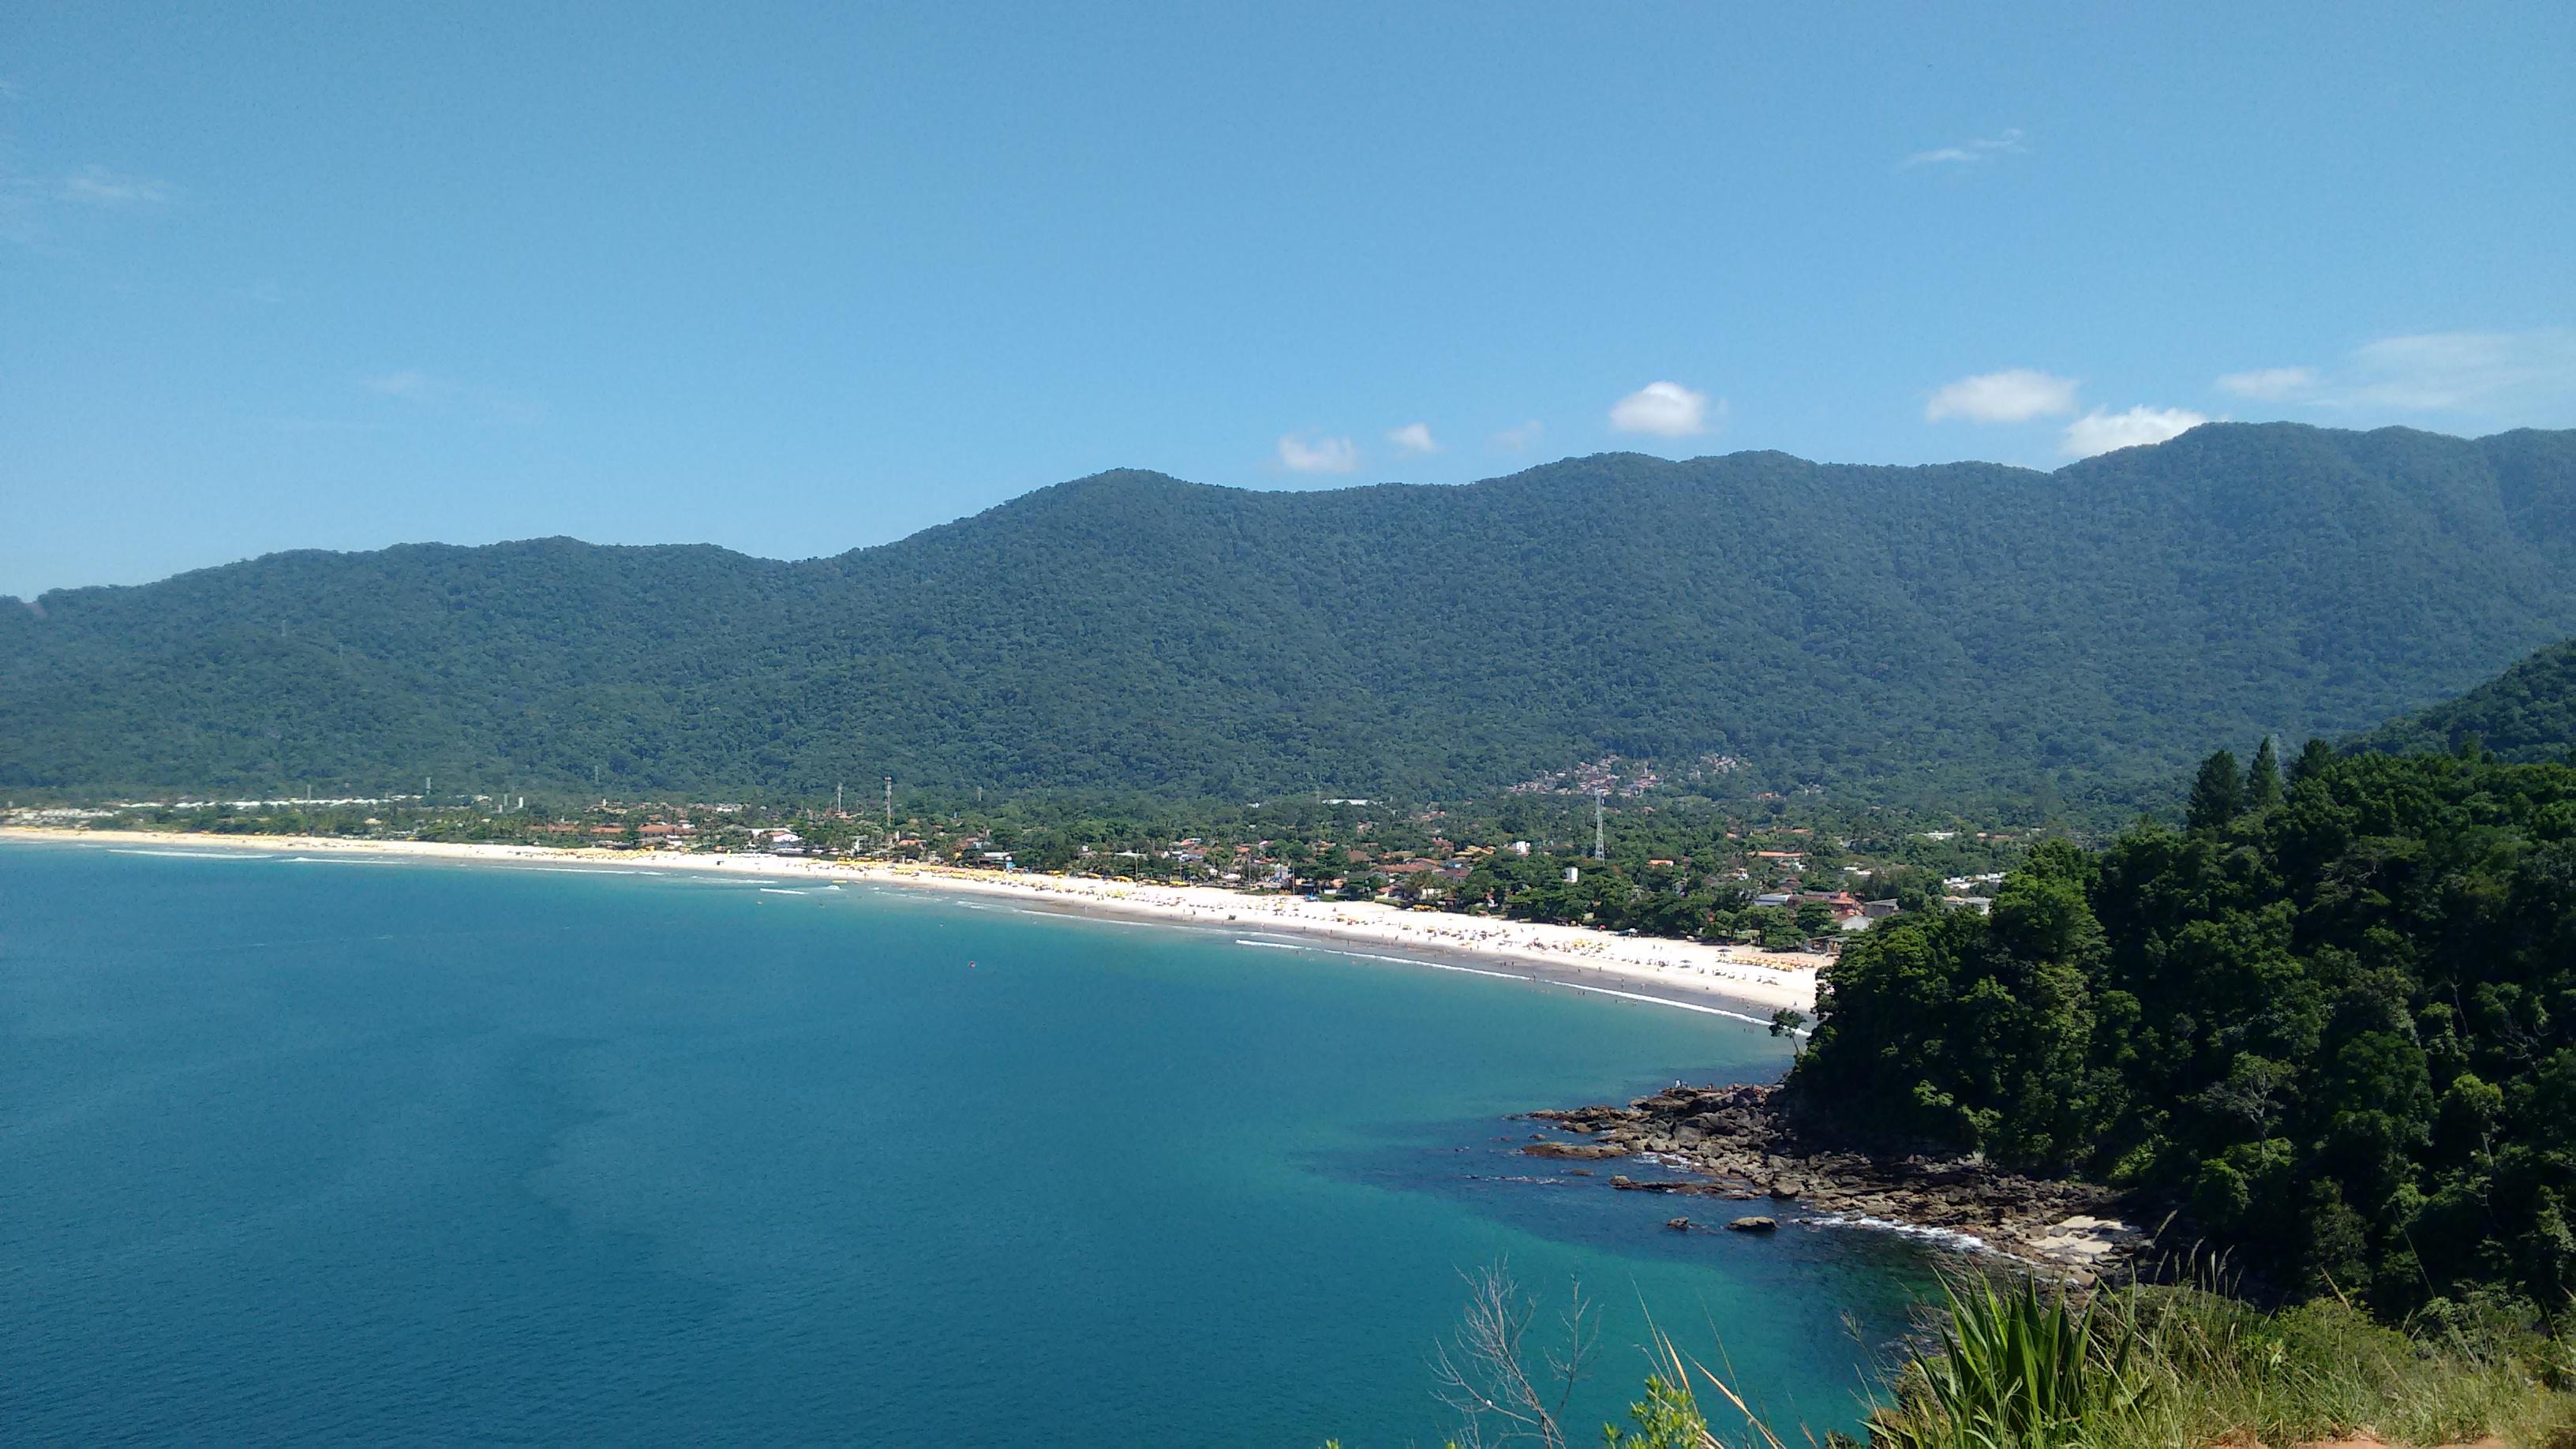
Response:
column 1599, row 850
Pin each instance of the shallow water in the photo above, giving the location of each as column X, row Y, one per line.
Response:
column 324, row 1149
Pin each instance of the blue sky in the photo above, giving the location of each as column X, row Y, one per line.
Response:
column 798, row 279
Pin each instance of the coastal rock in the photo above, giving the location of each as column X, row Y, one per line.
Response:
column 1630, row 1184
column 1739, row 1148
column 1579, row 1151
column 1679, row 1225
column 1754, row 1225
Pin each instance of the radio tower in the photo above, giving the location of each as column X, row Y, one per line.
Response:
column 889, row 813
column 1599, row 850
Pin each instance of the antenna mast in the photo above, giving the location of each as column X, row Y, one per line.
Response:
column 1599, row 850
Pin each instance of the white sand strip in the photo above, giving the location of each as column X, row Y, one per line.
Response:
column 1644, row 964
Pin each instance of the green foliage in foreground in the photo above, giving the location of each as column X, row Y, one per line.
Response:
column 2157, row 1367
column 1908, row 634
column 2015, row 1365
column 2337, row 1031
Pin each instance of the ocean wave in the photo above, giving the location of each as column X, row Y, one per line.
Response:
column 1662, row 1001
column 1446, row 966
column 1950, row 1238
column 781, row 891
column 181, row 854
column 583, row 870
column 1648, row 998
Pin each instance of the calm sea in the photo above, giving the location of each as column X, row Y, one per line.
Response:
column 334, row 1150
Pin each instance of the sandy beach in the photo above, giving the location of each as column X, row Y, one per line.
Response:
column 1689, row 974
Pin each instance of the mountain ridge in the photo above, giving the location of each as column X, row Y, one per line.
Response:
column 1129, row 472
column 1940, row 627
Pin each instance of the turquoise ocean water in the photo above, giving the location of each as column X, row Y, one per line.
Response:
column 336, row 1150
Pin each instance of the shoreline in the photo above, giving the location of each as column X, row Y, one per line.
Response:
column 1688, row 974
column 1741, row 1149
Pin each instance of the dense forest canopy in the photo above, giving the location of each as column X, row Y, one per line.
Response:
column 1905, row 632
column 2526, row 714
column 2333, row 1021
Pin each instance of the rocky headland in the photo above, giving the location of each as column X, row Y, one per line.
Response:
column 1739, row 1146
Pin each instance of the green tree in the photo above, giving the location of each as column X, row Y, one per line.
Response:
column 2218, row 796
column 2315, row 757
column 2263, row 778
column 2337, row 1037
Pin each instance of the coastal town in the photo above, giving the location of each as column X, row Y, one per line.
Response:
column 1674, row 895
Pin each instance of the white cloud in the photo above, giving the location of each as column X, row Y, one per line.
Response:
column 2270, row 384
column 2015, row 395
column 35, row 210
column 2003, row 143
column 2100, row 432
column 98, row 186
column 1322, row 455
column 2525, row 377
column 1521, row 439
column 446, row 398
column 409, row 385
column 1413, row 438
column 2466, row 372
column 1665, row 409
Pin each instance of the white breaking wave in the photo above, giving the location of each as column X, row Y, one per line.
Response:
column 1661, row 1001
column 1444, row 966
column 582, row 870
column 775, row 891
column 1516, row 976
column 1944, row 1237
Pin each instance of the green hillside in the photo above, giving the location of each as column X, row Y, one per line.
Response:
column 2527, row 714
column 1961, row 627
column 2327, row 1022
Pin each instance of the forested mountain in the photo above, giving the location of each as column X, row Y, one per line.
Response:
column 1951, row 628
column 2528, row 713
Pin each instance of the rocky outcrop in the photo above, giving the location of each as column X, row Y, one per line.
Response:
column 1737, row 1145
